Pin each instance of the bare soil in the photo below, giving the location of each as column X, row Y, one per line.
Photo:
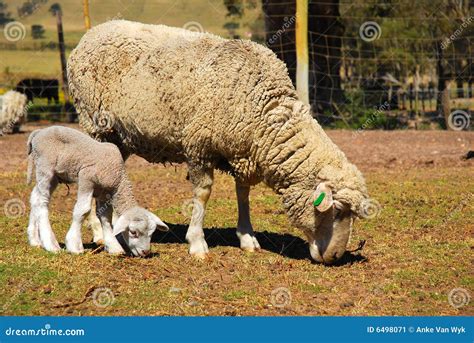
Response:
column 418, row 248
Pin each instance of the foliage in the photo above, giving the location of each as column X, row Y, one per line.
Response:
column 235, row 13
column 29, row 7
column 5, row 17
column 37, row 31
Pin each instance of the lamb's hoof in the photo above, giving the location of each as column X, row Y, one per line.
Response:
column 52, row 247
column 200, row 256
column 99, row 242
column 34, row 243
column 249, row 243
column 114, row 249
column 75, row 248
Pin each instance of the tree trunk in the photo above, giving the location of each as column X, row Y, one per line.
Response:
column 325, row 30
column 68, row 108
column 442, row 100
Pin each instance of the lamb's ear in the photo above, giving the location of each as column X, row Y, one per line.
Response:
column 121, row 225
column 323, row 197
column 156, row 223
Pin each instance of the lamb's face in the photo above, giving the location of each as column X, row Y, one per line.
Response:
column 332, row 226
column 136, row 227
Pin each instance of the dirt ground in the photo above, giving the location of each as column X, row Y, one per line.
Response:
column 418, row 249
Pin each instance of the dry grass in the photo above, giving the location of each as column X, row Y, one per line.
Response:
column 418, row 249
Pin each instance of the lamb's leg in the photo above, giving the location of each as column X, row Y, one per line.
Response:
column 40, row 196
column 104, row 213
column 202, row 183
column 81, row 210
column 95, row 224
column 245, row 233
column 33, row 228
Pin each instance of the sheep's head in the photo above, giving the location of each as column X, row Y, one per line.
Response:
column 325, row 216
column 332, row 226
column 136, row 226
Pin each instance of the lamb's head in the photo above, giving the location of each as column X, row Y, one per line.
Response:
column 136, row 226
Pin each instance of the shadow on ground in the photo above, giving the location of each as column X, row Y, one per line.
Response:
column 283, row 244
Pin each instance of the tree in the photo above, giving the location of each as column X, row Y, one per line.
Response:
column 55, row 10
column 37, row 31
column 325, row 31
column 5, row 17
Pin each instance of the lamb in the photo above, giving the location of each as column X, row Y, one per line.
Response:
column 171, row 95
column 65, row 155
column 13, row 112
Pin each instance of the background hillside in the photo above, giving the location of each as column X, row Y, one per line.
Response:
column 28, row 57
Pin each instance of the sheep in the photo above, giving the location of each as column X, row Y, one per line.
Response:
column 170, row 95
column 13, row 112
column 64, row 155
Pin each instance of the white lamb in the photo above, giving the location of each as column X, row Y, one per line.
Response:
column 64, row 155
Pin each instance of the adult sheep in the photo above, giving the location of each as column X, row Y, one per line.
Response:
column 13, row 112
column 171, row 95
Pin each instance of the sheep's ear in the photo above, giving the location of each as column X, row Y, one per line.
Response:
column 156, row 223
column 121, row 225
column 322, row 199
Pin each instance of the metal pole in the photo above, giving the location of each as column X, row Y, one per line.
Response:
column 302, row 65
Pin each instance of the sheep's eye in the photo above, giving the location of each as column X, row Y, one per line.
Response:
column 133, row 233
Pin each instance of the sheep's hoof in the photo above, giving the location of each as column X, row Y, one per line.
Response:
column 249, row 243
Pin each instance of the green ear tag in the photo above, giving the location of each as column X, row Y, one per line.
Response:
column 320, row 199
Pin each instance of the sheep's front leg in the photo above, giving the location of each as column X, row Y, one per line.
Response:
column 245, row 233
column 81, row 211
column 104, row 213
column 202, row 183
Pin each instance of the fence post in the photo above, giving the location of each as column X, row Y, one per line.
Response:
column 87, row 20
column 302, row 66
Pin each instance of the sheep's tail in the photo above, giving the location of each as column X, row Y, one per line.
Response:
column 31, row 159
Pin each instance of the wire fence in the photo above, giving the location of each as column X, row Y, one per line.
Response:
column 411, row 61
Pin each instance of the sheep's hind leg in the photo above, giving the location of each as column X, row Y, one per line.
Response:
column 45, row 186
column 245, row 233
column 202, row 183
column 81, row 210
